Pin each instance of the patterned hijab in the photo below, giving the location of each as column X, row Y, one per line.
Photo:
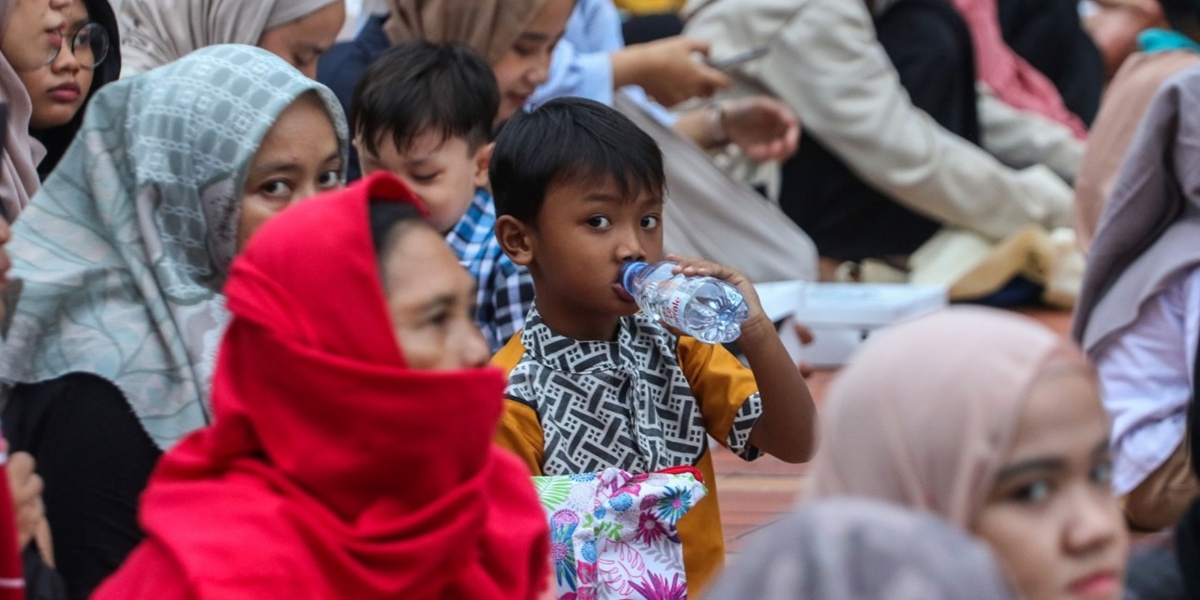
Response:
column 489, row 26
column 924, row 415
column 156, row 32
column 126, row 247
column 855, row 549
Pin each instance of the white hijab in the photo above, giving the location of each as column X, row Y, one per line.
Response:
column 156, row 32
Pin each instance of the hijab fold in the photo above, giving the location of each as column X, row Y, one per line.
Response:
column 333, row 470
column 156, row 32
column 21, row 153
column 125, row 249
column 488, row 26
column 924, row 414
column 1149, row 231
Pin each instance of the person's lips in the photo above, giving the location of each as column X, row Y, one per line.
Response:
column 66, row 93
column 54, row 37
column 1101, row 584
column 622, row 293
column 518, row 99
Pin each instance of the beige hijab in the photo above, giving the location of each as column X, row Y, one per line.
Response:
column 488, row 26
column 924, row 415
column 156, row 32
column 18, row 171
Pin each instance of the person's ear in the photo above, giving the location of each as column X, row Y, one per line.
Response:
column 360, row 150
column 483, row 159
column 516, row 239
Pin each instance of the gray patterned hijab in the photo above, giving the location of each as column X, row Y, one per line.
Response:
column 127, row 245
column 858, row 549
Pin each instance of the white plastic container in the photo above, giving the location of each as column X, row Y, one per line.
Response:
column 843, row 315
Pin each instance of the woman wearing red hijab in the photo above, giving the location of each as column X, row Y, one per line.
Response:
column 352, row 454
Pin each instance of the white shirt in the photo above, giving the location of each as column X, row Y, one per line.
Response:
column 1147, row 376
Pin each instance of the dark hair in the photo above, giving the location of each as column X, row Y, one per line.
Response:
column 570, row 140
column 389, row 222
column 1183, row 15
column 420, row 86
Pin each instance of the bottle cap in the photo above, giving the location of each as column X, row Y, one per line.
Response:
column 630, row 270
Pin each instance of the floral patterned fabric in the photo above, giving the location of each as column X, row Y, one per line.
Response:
column 613, row 534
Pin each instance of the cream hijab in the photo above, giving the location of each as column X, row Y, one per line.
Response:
column 488, row 26
column 156, row 32
column 924, row 415
column 18, row 171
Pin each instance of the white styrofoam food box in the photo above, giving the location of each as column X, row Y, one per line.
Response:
column 842, row 315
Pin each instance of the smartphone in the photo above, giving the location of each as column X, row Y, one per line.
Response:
column 739, row 58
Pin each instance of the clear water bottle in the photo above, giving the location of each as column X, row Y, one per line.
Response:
column 705, row 308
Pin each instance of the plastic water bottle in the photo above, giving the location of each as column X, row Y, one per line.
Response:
column 705, row 308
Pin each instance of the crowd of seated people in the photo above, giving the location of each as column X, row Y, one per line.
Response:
column 306, row 299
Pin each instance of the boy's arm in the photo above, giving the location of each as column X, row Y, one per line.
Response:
column 787, row 426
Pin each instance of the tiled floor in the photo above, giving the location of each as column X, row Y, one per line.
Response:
column 754, row 495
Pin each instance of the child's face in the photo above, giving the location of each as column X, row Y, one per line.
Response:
column 1051, row 517
column 585, row 233
column 431, row 298
column 442, row 172
column 527, row 63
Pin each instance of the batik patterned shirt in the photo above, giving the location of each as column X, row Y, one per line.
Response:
column 645, row 402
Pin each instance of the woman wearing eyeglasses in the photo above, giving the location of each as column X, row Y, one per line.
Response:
column 88, row 58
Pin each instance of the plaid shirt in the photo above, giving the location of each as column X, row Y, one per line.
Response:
column 505, row 289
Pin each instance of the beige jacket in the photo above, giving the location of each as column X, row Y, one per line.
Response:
column 826, row 63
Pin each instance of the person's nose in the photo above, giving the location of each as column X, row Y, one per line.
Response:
column 59, row 4
column 1094, row 524
column 66, row 61
column 630, row 248
column 475, row 351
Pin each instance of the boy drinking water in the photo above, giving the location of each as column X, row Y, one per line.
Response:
column 593, row 383
column 425, row 112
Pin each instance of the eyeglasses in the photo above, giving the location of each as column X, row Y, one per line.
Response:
column 89, row 45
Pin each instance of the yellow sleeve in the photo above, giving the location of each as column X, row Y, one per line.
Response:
column 519, row 431
column 722, row 386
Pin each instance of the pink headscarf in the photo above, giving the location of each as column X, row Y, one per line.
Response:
column 924, row 415
column 1013, row 80
column 18, row 168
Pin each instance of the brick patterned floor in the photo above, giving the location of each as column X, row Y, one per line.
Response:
column 754, row 495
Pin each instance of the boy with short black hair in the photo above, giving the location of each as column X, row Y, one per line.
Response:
column 425, row 113
column 593, row 383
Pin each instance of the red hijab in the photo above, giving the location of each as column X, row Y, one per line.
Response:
column 333, row 470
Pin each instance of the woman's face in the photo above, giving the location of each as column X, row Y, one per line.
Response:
column 431, row 299
column 527, row 64
column 59, row 88
column 34, row 33
column 1052, row 518
column 299, row 157
column 304, row 40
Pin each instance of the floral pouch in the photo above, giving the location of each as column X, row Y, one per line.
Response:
column 613, row 534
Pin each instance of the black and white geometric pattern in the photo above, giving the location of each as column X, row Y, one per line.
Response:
column 623, row 404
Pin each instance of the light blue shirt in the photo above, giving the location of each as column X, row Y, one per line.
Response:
column 581, row 66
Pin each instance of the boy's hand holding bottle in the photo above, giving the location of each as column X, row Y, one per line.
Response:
column 709, row 301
